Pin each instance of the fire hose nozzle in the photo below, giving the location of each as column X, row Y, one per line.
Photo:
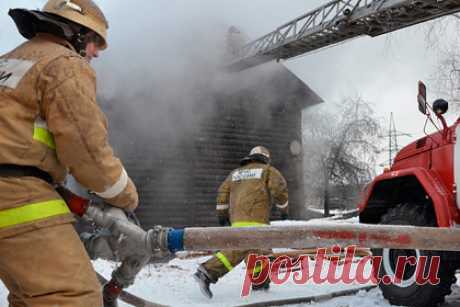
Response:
column 153, row 240
column 166, row 239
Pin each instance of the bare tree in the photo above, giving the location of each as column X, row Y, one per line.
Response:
column 443, row 36
column 447, row 75
column 341, row 148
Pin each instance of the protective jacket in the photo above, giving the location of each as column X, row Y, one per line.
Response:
column 247, row 194
column 246, row 197
column 50, row 119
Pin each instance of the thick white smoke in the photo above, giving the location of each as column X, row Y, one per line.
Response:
column 164, row 65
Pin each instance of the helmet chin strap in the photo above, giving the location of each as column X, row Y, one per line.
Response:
column 79, row 42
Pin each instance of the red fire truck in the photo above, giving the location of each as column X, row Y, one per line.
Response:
column 419, row 189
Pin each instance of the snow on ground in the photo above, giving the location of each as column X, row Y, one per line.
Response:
column 171, row 284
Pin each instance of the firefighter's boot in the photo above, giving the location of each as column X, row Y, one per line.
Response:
column 111, row 292
column 263, row 286
column 204, row 280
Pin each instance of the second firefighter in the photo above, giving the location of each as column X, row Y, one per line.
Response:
column 245, row 199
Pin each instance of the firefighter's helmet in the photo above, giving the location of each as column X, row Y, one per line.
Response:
column 260, row 150
column 258, row 154
column 82, row 12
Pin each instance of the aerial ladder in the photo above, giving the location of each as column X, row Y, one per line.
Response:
column 336, row 22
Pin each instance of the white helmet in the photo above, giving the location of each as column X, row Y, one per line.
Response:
column 260, row 150
column 257, row 154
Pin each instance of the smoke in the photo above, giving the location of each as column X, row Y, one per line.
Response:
column 163, row 85
column 163, row 71
column 156, row 68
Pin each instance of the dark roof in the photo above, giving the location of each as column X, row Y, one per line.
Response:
column 272, row 82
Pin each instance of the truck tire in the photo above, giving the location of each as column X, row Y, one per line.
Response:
column 408, row 292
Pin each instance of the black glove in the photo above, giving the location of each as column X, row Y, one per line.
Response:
column 284, row 216
column 224, row 221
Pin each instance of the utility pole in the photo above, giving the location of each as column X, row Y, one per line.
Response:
column 392, row 136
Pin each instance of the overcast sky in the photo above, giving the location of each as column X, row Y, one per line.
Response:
column 383, row 70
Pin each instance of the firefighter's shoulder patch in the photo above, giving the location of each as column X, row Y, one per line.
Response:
column 12, row 71
column 247, row 174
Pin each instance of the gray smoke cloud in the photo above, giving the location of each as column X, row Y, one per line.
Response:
column 156, row 68
column 164, row 87
column 164, row 68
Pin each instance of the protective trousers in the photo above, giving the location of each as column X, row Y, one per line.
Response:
column 48, row 267
column 224, row 261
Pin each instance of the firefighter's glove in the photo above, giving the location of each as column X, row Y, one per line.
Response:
column 224, row 221
column 110, row 293
column 105, row 215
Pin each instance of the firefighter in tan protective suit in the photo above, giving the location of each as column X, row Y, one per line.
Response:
column 51, row 125
column 245, row 199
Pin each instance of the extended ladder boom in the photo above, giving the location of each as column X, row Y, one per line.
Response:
column 337, row 21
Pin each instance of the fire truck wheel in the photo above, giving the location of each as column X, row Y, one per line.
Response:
column 408, row 292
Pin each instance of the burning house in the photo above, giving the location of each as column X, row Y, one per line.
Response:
column 178, row 173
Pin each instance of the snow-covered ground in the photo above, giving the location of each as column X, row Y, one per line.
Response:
column 172, row 284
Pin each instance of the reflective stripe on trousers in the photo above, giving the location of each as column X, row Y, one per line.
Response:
column 225, row 260
column 247, row 224
column 32, row 212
